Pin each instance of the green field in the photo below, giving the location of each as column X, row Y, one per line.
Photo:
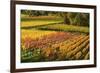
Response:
column 65, row 27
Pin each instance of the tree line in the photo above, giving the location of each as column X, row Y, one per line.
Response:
column 70, row 18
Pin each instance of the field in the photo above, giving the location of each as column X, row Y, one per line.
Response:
column 47, row 38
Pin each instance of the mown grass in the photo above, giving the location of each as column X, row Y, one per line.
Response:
column 65, row 27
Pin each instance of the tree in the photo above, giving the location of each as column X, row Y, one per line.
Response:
column 81, row 19
column 65, row 18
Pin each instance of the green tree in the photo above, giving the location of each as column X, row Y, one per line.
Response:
column 81, row 19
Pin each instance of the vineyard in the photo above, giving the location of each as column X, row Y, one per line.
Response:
column 57, row 46
column 47, row 38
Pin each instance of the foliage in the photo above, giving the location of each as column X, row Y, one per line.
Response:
column 72, row 49
column 46, row 41
column 30, row 55
column 33, row 33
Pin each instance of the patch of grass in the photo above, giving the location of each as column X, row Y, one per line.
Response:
column 38, row 23
column 65, row 27
column 27, row 21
